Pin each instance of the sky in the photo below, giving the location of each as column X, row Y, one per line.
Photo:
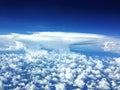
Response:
column 85, row 16
column 23, row 52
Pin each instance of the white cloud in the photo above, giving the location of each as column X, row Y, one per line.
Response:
column 117, row 61
column 80, row 83
column 112, row 46
column 62, row 71
column 30, row 86
column 60, row 86
column 56, row 69
column 60, row 39
column 103, row 84
column 1, row 85
column 46, row 39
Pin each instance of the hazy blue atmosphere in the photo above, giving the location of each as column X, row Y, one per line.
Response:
column 100, row 17
column 59, row 45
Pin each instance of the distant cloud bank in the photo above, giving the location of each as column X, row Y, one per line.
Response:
column 58, row 40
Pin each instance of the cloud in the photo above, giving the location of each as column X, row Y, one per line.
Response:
column 80, row 83
column 60, row 86
column 112, row 46
column 117, row 60
column 62, row 40
column 103, row 84
column 1, row 85
column 49, row 69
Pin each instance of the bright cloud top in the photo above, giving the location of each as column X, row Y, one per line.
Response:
column 58, row 40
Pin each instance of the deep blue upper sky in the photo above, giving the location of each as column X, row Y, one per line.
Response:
column 87, row 16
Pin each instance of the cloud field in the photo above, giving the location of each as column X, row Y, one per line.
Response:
column 45, row 62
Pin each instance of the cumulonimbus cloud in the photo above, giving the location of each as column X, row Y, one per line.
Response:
column 58, row 40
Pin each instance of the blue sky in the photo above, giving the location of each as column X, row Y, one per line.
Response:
column 22, row 16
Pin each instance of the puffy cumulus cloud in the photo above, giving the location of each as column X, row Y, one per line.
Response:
column 62, row 40
column 48, row 70
column 103, row 84
column 11, row 45
column 80, row 83
column 16, row 46
column 112, row 46
column 60, row 86
column 117, row 60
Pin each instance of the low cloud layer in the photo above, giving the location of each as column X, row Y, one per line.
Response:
column 49, row 70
